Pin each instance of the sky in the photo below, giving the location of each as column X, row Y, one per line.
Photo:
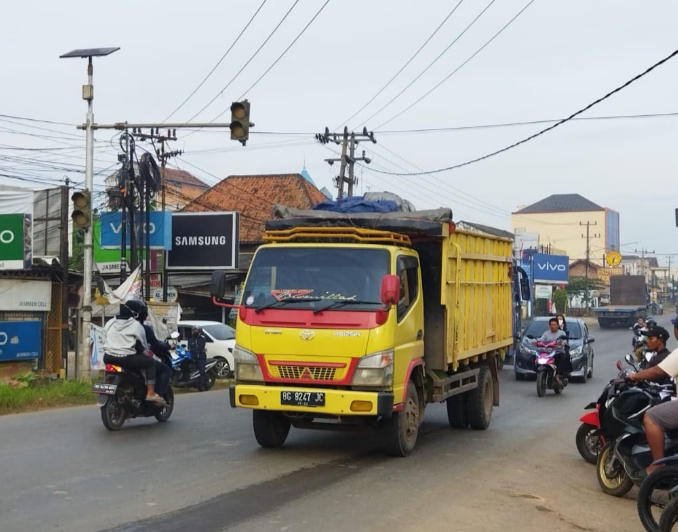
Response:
column 552, row 60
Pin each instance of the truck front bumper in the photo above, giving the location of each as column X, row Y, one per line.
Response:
column 337, row 402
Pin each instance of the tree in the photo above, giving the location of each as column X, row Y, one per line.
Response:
column 560, row 300
column 77, row 258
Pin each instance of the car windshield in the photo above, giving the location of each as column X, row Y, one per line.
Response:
column 539, row 327
column 219, row 331
column 309, row 278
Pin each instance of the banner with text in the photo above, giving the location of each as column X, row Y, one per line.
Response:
column 18, row 295
column 550, row 268
column 159, row 230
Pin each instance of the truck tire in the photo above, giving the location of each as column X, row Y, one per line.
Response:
column 603, row 323
column 480, row 400
column 270, row 428
column 402, row 428
column 457, row 411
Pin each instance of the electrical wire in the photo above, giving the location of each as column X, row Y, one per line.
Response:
column 247, row 63
column 218, row 63
column 546, row 130
column 460, row 66
column 403, row 67
column 281, row 55
column 431, row 63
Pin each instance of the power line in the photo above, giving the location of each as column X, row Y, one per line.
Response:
column 282, row 54
column 460, row 66
column 546, row 130
column 432, row 62
column 247, row 63
column 218, row 63
column 37, row 120
column 403, row 67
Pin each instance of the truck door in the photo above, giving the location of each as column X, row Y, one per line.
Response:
column 409, row 338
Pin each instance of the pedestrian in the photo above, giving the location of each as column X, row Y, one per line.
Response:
column 196, row 346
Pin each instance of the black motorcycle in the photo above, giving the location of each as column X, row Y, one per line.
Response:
column 623, row 460
column 122, row 396
column 658, row 490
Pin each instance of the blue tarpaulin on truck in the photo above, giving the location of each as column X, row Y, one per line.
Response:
column 356, row 204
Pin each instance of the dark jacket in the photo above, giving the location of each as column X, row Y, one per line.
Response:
column 160, row 349
column 196, row 345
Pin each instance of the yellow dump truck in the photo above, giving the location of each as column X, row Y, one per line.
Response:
column 360, row 321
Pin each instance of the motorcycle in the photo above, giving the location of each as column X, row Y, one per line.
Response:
column 658, row 490
column 545, row 367
column 590, row 437
column 622, row 460
column 122, row 396
column 185, row 373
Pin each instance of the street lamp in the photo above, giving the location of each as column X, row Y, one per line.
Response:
column 88, row 94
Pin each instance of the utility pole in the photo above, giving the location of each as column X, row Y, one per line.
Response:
column 346, row 159
column 163, row 156
column 88, row 95
column 642, row 252
column 65, row 195
column 588, row 237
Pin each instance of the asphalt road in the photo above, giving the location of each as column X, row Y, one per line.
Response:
column 203, row 471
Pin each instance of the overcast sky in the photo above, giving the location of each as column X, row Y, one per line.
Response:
column 554, row 59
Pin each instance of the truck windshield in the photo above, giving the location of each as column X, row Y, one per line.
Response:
column 310, row 278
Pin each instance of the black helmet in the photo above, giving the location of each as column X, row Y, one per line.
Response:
column 134, row 308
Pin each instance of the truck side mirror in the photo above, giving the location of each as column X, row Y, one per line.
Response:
column 525, row 289
column 390, row 289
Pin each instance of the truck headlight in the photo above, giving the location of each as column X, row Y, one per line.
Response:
column 246, row 365
column 375, row 370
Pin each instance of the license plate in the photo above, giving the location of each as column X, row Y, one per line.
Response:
column 106, row 389
column 302, row 398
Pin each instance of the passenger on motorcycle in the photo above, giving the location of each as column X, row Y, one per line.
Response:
column 555, row 334
column 126, row 345
column 567, row 362
column 662, row 417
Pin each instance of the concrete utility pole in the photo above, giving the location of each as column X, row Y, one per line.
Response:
column 588, row 237
column 642, row 252
column 348, row 143
column 88, row 94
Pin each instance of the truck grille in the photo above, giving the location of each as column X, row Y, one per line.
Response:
column 317, row 373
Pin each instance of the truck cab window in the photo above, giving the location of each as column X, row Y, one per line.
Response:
column 408, row 271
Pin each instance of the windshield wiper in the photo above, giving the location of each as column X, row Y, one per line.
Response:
column 342, row 302
column 285, row 301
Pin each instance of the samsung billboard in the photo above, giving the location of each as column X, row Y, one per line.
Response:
column 550, row 268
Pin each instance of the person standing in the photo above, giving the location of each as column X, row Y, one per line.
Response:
column 197, row 347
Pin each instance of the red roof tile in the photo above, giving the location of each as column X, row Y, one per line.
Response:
column 254, row 197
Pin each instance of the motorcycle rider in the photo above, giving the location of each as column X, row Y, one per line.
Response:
column 664, row 416
column 196, row 346
column 555, row 334
column 161, row 350
column 126, row 345
column 567, row 363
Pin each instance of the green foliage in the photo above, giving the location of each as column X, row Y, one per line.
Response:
column 560, row 300
column 77, row 258
column 24, row 393
column 577, row 285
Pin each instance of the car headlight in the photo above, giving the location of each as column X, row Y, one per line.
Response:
column 576, row 351
column 375, row 370
column 525, row 350
column 246, row 365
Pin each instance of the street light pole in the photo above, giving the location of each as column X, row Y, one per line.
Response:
column 82, row 365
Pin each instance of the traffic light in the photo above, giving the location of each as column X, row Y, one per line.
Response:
column 82, row 209
column 240, row 121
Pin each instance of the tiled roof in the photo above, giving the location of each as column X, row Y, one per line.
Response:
column 561, row 203
column 254, row 197
column 182, row 177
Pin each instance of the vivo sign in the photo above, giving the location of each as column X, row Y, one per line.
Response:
column 550, row 268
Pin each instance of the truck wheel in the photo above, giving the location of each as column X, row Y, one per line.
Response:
column 402, row 428
column 480, row 401
column 270, row 428
column 457, row 411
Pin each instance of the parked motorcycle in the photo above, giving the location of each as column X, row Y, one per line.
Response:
column 623, row 459
column 669, row 517
column 122, row 396
column 185, row 373
column 545, row 367
column 657, row 491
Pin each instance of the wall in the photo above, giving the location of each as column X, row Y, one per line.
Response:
column 562, row 231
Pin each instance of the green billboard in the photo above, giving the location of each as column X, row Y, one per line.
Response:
column 15, row 241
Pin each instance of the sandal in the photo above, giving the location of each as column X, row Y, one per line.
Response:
column 157, row 400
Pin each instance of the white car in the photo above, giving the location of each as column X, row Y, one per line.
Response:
column 220, row 342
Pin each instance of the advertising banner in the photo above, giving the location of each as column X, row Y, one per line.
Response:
column 543, row 291
column 20, row 340
column 204, row 241
column 19, row 295
column 550, row 268
column 16, row 229
column 159, row 229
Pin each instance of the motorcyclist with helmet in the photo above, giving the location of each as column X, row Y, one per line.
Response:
column 662, row 417
column 640, row 340
column 126, row 345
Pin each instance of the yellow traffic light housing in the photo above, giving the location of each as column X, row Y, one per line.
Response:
column 240, row 121
column 82, row 209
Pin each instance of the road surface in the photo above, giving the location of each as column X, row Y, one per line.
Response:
column 60, row 470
